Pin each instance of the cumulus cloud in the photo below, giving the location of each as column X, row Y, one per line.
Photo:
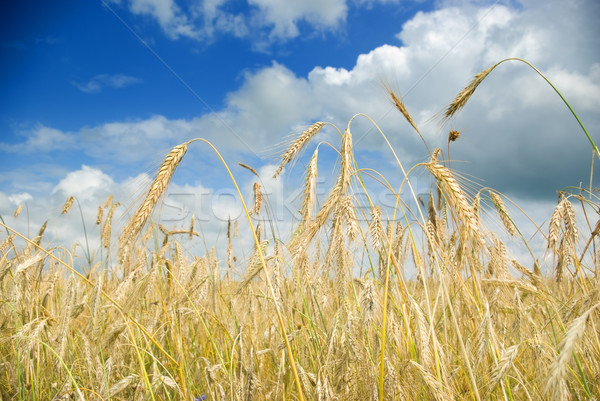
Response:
column 173, row 21
column 517, row 135
column 41, row 139
column 268, row 20
column 84, row 183
column 515, row 127
column 101, row 81
column 89, row 185
column 18, row 199
column 285, row 15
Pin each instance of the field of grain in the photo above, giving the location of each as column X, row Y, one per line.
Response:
column 151, row 321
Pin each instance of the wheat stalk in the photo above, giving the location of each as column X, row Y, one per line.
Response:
column 402, row 109
column 502, row 212
column 463, row 97
column 505, row 362
column 554, row 226
column 310, row 187
column 556, row 376
column 99, row 215
column 230, row 256
column 298, row 144
column 157, row 188
column 455, row 195
column 258, row 200
column 106, row 229
column 247, row 167
column 108, row 201
column 37, row 240
column 568, row 215
column 376, row 228
column 432, row 382
column 67, row 205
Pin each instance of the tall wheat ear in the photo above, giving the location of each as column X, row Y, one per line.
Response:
column 156, row 190
column 556, row 385
column 401, row 107
column 298, row 144
column 463, row 97
column 455, row 195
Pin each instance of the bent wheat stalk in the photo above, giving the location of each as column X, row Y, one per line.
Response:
column 461, row 99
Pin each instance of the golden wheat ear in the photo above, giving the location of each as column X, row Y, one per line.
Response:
column 298, row 144
column 258, row 200
column 464, row 95
column 157, row 188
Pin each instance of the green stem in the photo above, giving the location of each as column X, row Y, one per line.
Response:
column 563, row 99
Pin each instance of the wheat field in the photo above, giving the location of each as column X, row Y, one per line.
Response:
column 151, row 321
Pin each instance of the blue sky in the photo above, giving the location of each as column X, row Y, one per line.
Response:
column 94, row 93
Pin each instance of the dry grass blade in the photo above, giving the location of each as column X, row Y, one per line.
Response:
column 298, row 144
column 192, row 223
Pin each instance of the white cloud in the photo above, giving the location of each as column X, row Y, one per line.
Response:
column 269, row 101
column 514, row 127
column 101, row 81
column 517, row 134
column 583, row 91
column 85, row 184
column 18, row 199
column 41, row 139
column 285, row 15
column 170, row 17
column 265, row 22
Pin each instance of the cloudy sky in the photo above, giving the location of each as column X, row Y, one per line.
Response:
column 94, row 93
